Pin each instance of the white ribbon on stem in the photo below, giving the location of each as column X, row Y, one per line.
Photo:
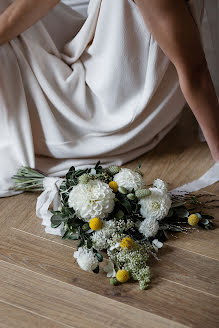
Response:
column 50, row 196
column 207, row 179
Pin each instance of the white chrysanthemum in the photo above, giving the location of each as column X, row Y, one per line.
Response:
column 129, row 179
column 160, row 184
column 94, row 199
column 156, row 206
column 86, row 259
column 100, row 237
column 149, row 227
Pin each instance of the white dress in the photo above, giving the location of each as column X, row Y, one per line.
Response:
column 74, row 91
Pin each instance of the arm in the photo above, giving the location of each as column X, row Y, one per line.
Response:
column 175, row 30
column 20, row 15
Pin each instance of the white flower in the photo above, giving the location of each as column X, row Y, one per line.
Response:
column 149, row 227
column 160, row 184
column 100, row 237
column 93, row 172
column 94, row 199
column 157, row 244
column 129, row 179
column 109, row 268
column 86, row 259
column 156, row 206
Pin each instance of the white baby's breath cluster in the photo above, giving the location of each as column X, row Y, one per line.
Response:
column 94, row 199
column 101, row 237
column 111, row 233
column 134, row 261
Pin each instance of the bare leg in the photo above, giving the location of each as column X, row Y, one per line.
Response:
column 175, row 30
column 20, row 15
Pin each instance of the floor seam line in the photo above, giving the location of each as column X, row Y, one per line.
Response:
column 197, row 290
column 187, row 250
column 28, row 233
column 29, row 311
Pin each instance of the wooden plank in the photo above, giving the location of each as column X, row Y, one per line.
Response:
column 13, row 210
column 168, row 284
column 200, row 242
column 45, row 257
column 68, row 304
column 15, row 317
column 187, row 268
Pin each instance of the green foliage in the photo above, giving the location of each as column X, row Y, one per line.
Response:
column 28, row 179
column 99, row 257
column 97, row 270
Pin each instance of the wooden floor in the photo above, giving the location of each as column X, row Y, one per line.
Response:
column 42, row 286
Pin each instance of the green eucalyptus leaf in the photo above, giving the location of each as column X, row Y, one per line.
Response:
column 119, row 215
column 55, row 225
column 57, row 220
column 177, row 204
column 85, row 227
column 65, row 236
column 123, row 190
column 131, row 196
column 204, row 221
column 73, row 236
column 208, row 217
column 89, row 243
column 55, row 212
column 166, row 235
column 70, row 173
column 99, row 257
column 126, row 204
column 82, row 242
column 170, row 213
column 181, row 212
column 79, row 172
column 97, row 270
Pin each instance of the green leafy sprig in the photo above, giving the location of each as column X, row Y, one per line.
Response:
column 28, row 179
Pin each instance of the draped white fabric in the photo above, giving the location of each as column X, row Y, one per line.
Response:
column 78, row 5
column 74, row 91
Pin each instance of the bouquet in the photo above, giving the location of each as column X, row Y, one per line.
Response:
column 113, row 213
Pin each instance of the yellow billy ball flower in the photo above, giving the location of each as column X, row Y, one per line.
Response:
column 122, row 275
column 95, row 224
column 127, row 243
column 114, row 186
column 193, row 219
